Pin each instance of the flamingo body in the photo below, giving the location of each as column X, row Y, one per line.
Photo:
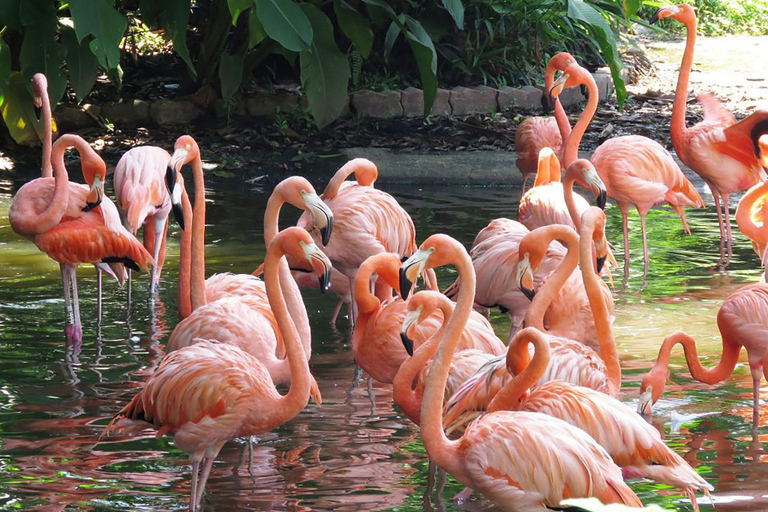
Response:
column 533, row 134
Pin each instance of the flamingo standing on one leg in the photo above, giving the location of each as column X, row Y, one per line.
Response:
column 632, row 443
column 636, row 170
column 376, row 342
column 718, row 148
column 535, row 133
column 502, row 454
column 743, row 322
column 208, row 393
column 72, row 224
column 143, row 200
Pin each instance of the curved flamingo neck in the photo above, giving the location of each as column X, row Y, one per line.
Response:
column 534, row 316
column 441, row 450
column 571, row 151
column 594, row 287
column 185, row 258
column 677, row 127
column 744, row 211
column 351, row 167
column 570, row 200
column 546, row 172
column 509, row 397
column 290, row 404
column 561, row 118
column 197, row 273
column 272, row 215
column 47, row 137
column 728, row 359
column 367, row 302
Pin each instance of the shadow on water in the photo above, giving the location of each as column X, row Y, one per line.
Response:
column 356, row 452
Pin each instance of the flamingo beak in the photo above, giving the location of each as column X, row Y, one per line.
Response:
column 95, row 195
column 525, row 277
column 174, row 188
column 178, row 158
column 322, row 214
column 557, row 88
column 410, row 270
column 320, row 263
column 645, row 405
column 601, row 247
column 411, row 319
column 38, row 111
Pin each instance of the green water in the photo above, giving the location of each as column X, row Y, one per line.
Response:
column 355, row 452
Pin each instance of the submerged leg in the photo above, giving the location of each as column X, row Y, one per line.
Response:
column 645, row 241
column 98, row 297
column 336, row 310
column 352, row 303
column 66, row 282
column 756, row 401
column 728, row 236
column 160, row 224
column 193, row 490
column 210, row 455
column 78, row 332
column 624, row 211
column 716, row 196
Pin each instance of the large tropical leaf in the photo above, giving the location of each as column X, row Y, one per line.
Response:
column 230, row 74
column 285, row 22
column 105, row 23
column 40, row 53
column 9, row 14
column 82, row 64
column 456, row 9
column 256, row 32
column 324, row 70
column 236, row 7
column 5, row 67
column 355, row 26
column 426, row 59
column 174, row 17
column 17, row 109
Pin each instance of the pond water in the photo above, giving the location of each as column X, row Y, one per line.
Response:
column 356, row 451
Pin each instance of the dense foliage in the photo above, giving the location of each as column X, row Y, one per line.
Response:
column 326, row 43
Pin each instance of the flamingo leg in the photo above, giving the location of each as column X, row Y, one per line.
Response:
column 193, row 489
column 728, row 237
column 160, row 224
column 716, row 196
column 624, row 212
column 645, row 241
column 66, row 283
column 98, row 297
column 756, row 401
column 206, row 471
column 129, row 287
column 353, row 304
column 336, row 310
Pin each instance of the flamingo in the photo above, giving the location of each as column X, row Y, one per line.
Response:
column 752, row 212
column 413, row 370
column 718, row 149
column 368, row 221
column 632, row 443
column 743, row 322
column 522, row 461
column 636, row 170
column 571, row 360
column 535, row 133
column 211, row 392
column 143, row 200
column 376, row 342
column 74, row 224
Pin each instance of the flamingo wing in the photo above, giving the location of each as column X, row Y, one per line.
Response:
column 139, row 182
column 714, row 110
column 739, row 141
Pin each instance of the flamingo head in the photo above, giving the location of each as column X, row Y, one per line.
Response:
column 585, row 174
column 297, row 243
column 95, row 174
column 298, row 192
column 39, row 88
column 418, row 309
column 595, row 217
column 365, row 171
column 558, row 62
column 574, row 75
column 530, row 252
column 651, row 389
column 185, row 150
column 683, row 13
column 436, row 251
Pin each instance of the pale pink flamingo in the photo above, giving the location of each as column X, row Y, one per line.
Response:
column 636, row 170
column 143, row 200
column 743, row 322
column 208, row 393
column 502, row 454
column 718, row 149
column 632, row 443
column 376, row 342
column 408, row 384
column 571, row 360
column 535, row 133
column 72, row 223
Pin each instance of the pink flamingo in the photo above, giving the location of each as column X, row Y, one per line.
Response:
column 143, row 200
column 535, row 133
column 208, row 393
column 752, row 212
column 376, row 342
column 408, row 384
column 632, row 443
column 502, row 454
column 635, row 169
column 571, row 360
column 71, row 223
column 718, row 149
column 743, row 322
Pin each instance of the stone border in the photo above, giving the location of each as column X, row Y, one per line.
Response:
column 409, row 103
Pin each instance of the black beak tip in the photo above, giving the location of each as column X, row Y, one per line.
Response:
column 601, row 200
column 407, row 343
column 528, row 292
column 38, row 112
column 90, row 206
column 405, row 284
column 600, row 263
column 655, row 18
column 325, row 232
column 546, row 103
column 325, row 281
column 178, row 214
column 170, row 178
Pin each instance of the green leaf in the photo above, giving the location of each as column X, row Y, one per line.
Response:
column 238, row 6
column 9, row 14
column 286, row 23
column 390, row 38
column 5, row 67
column 456, row 9
column 426, row 59
column 105, row 23
column 82, row 64
column 256, row 32
column 324, row 70
column 631, row 7
column 150, row 10
column 17, row 109
column 174, row 19
column 32, row 12
column 40, row 53
column 381, row 5
column 355, row 26
column 230, row 74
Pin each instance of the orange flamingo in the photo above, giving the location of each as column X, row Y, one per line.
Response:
column 208, row 393
column 535, row 133
column 376, row 342
column 718, row 149
column 502, row 454
column 632, row 443
column 571, row 360
column 414, row 370
column 752, row 212
column 143, row 200
column 635, row 169
column 72, row 224
column 743, row 322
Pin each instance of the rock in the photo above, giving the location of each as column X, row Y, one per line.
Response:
column 264, row 104
column 130, row 113
column 174, row 112
column 442, row 105
column 571, row 96
column 527, row 97
column 378, row 104
column 465, row 101
column 413, row 103
column 70, row 118
column 604, row 83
